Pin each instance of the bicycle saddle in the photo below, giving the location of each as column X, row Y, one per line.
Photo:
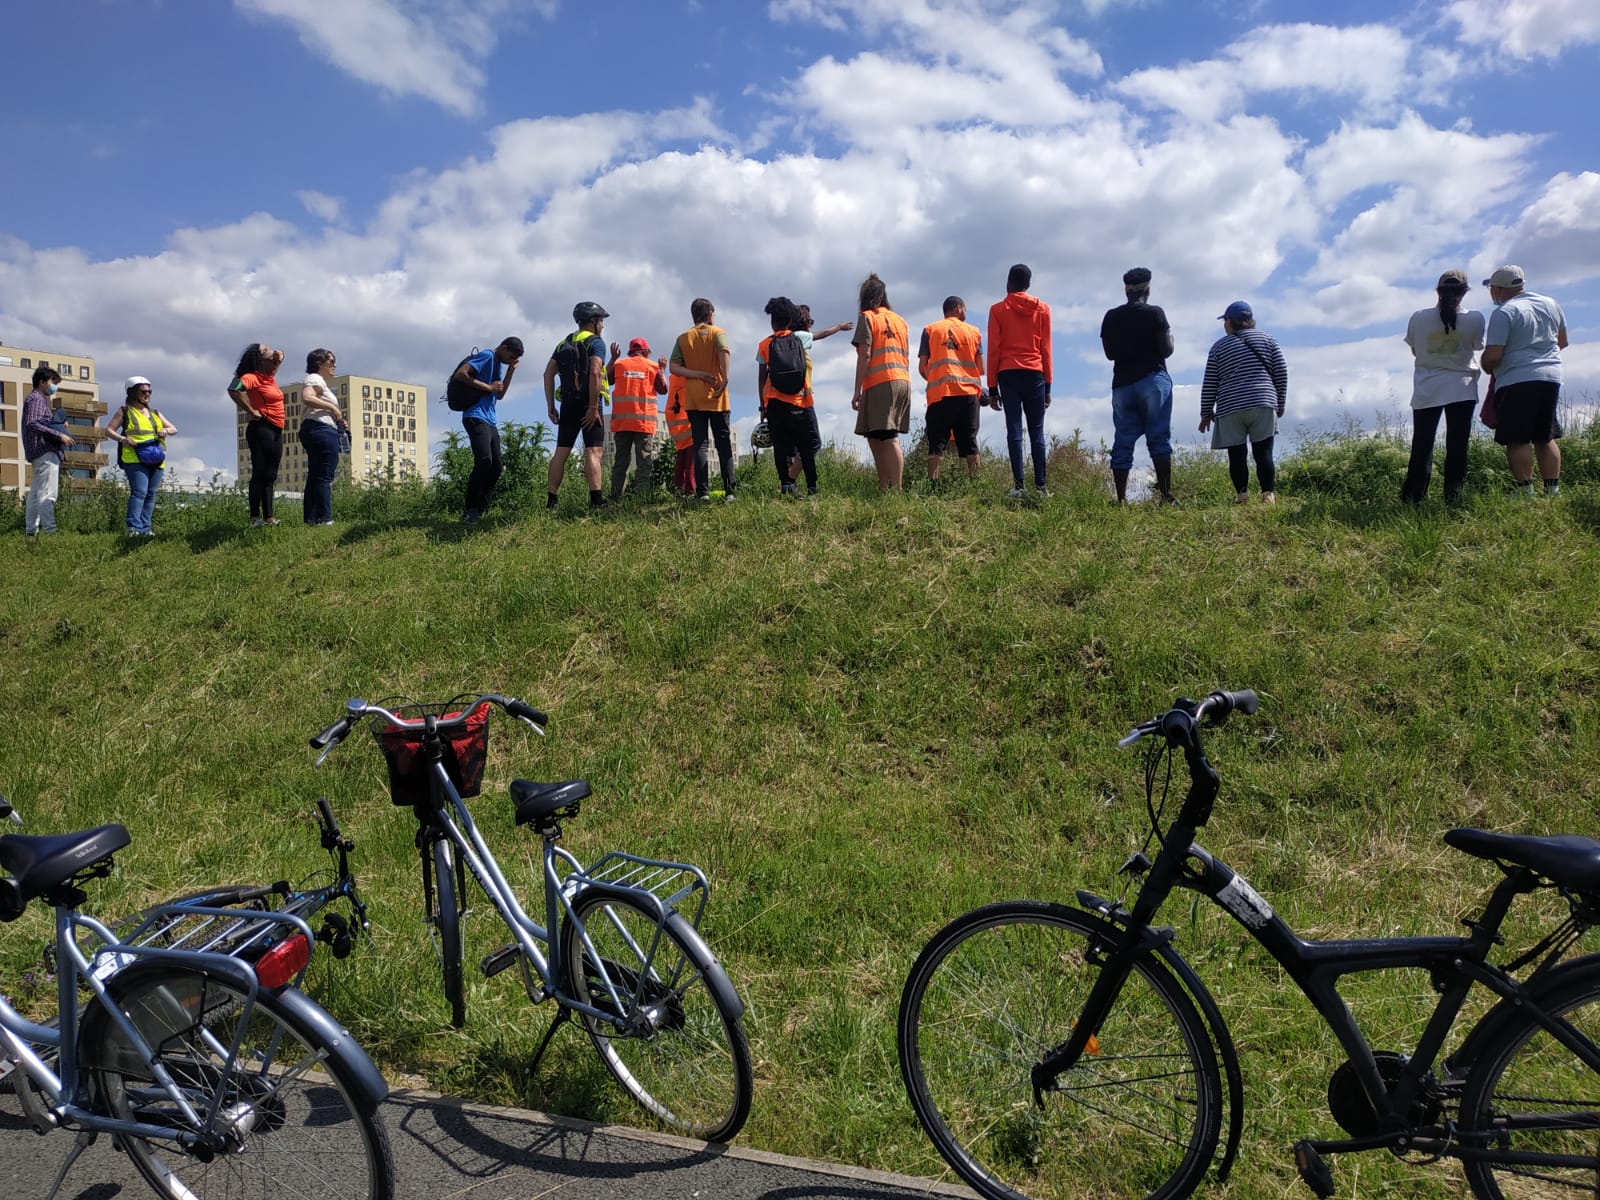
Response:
column 538, row 802
column 1569, row 861
column 38, row 864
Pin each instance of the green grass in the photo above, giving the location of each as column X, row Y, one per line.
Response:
column 861, row 715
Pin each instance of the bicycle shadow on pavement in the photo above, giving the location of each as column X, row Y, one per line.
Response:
column 517, row 1154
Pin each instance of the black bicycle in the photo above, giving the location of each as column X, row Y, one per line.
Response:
column 1055, row 1052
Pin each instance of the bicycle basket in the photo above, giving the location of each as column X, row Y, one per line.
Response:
column 465, row 751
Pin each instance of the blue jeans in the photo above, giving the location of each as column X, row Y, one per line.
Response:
column 1022, row 393
column 321, row 442
column 142, row 484
column 1141, row 409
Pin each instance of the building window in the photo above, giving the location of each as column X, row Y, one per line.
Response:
column 411, row 396
column 388, row 393
column 83, row 372
column 344, row 389
column 28, row 362
column 365, row 391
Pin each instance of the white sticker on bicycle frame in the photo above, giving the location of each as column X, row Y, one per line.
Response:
column 1243, row 901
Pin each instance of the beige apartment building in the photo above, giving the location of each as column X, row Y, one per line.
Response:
column 388, row 431
column 79, row 395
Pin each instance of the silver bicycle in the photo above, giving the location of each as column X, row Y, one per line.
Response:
column 215, row 1075
column 620, row 946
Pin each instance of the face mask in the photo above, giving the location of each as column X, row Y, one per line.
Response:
column 50, row 389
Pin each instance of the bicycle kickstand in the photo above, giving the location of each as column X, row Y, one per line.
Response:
column 562, row 1015
column 81, row 1143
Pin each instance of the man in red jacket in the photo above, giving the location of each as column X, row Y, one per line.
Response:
column 1019, row 371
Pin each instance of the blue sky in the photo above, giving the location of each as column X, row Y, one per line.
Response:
column 400, row 180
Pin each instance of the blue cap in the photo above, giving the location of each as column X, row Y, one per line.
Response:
column 1237, row 311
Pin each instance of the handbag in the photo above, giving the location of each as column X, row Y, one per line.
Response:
column 151, row 453
column 1488, row 414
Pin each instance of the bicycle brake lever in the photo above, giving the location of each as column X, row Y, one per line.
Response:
column 329, row 749
column 539, row 729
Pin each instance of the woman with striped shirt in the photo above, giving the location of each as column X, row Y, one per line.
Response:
column 1246, row 384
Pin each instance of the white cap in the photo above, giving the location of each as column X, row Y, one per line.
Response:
column 134, row 381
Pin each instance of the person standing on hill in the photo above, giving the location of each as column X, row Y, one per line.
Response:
column 142, row 432
column 578, row 363
column 701, row 358
column 636, row 381
column 1138, row 341
column 1522, row 350
column 783, row 381
column 319, row 435
column 804, row 324
column 682, row 434
column 1020, row 371
column 42, row 444
column 255, row 390
column 1443, row 340
column 1245, row 387
column 488, row 372
column 882, row 398
column 950, row 358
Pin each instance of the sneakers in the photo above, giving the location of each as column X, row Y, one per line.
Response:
column 471, row 517
column 1552, row 489
column 1015, row 493
column 1522, row 491
column 270, row 521
column 1269, row 497
column 704, row 497
column 787, row 491
column 1168, row 500
column 729, row 498
column 255, row 523
column 1242, row 498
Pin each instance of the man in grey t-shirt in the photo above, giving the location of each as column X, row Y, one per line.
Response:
column 1522, row 350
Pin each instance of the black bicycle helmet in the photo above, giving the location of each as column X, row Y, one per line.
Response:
column 588, row 310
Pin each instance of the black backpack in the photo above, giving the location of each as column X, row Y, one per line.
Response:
column 786, row 364
column 572, row 367
column 459, row 395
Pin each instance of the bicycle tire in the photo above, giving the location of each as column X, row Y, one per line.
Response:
column 1525, row 1063
column 1000, row 986
column 446, row 920
column 292, row 1126
column 685, row 1060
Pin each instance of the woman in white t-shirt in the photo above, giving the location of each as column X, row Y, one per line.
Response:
column 1443, row 340
column 319, row 434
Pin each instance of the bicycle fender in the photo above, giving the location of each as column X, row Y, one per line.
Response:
column 1489, row 1029
column 370, row 1086
column 716, row 978
column 95, row 1022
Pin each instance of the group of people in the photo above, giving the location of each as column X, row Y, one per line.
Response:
column 1242, row 399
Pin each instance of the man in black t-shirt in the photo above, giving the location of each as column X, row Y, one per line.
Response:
column 1138, row 341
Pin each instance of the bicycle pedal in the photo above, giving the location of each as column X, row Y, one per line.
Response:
column 1313, row 1169
column 498, row 960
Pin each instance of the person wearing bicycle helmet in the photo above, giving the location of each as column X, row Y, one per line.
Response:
column 488, row 372
column 578, row 365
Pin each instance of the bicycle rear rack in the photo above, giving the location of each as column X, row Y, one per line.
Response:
column 671, row 883
column 244, row 930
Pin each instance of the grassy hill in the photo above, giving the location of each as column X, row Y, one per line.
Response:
column 862, row 716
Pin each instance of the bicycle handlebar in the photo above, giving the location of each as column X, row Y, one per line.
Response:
column 1185, row 714
column 357, row 710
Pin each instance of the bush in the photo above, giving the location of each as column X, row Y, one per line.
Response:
column 522, row 485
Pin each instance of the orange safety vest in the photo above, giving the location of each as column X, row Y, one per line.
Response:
column 677, row 419
column 698, row 351
column 889, row 356
column 804, row 398
column 953, row 359
column 633, row 395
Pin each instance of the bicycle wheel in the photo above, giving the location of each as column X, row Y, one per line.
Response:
column 683, row 1055
column 994, row 991
column 1529, row 1094
column 446, row 922
column 287, row 1124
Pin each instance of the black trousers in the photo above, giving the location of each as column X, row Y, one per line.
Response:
column 486, row 462
column 709, row 426
column 265, row 441
column 1457, row 433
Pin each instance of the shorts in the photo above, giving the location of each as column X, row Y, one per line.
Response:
column 953, row 414
column 571, row 426
column 885, row 410
column 1255, row 424
column 1526, row 412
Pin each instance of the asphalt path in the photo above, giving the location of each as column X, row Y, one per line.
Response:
column 448, row 1150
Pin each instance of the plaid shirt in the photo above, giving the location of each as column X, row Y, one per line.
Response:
column 37, row 436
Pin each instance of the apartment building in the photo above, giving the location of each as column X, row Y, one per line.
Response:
column 388, row 432
column 79, row 395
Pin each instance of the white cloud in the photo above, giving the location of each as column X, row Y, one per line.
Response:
column 1556, row 239
column 320, row 205
column 1365, row 63
column 1527, row 28
column 427, row 48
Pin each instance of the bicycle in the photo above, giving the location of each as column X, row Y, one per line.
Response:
column 1053, row 1051
column 216, row 1076
column 175, row 926
column 625, row 953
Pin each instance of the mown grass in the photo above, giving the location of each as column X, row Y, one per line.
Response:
column 861, row 715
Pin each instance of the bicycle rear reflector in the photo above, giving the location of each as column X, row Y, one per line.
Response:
column 279, row 966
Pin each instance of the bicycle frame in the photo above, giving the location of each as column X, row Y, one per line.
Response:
column 65, row 1091
column 1455, row 964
